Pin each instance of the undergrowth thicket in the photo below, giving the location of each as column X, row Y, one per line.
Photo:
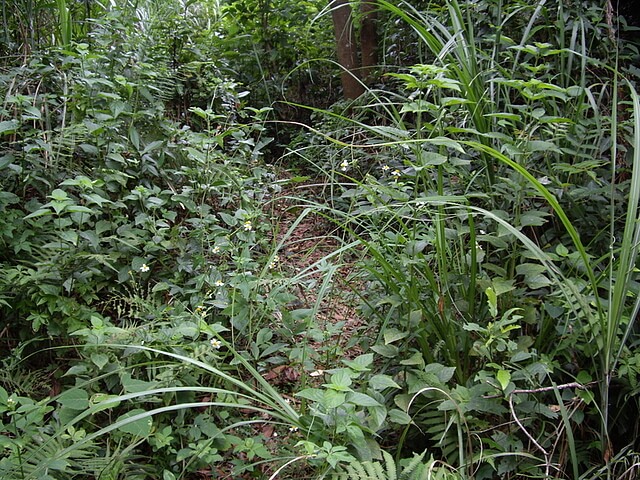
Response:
column 481, row 203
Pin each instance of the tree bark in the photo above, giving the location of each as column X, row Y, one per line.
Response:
column 346, row 48
column 369, row 39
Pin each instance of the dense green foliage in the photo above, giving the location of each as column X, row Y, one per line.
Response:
column 170, row 170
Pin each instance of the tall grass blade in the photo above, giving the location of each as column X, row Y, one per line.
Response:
column 65, row 24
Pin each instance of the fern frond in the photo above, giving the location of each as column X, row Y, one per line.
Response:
column 357, row 471
column 390, row 464
column 415, row 462
column 375, row 471
column 415, row 469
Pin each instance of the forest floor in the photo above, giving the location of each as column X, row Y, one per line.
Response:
column 304, row 249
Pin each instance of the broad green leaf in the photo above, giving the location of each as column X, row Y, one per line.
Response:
column 39, row 213
column 74, row 399
column 432, row 158
column 167, row 475
column 8, row 126
column 70, row 236
column 133, row 385
column 500, row 285
column 393, row 334
column 503, row 377
column 417, row 359
column 4, row 396
column 99, row 359
column 443, row 373
column 95, row 198
column 333, row 399
column 188, row 330
column 134, row 136
column 31, row 113
column 388, row 351
column 533, row 219
column 377, row 417
column 59, row 195
column 584, row 377
column 103, row 401
column 399, row 417
column 586, row 396
column 362, row 400
column 492, row 301
column 228, row 219
column 6, row 160
column 418, row 106
column 138, row 428
column 360, row 363
column 160, row 287
column 153, row 146
column 340, row 381
column 313, row 394
column 446, row 142
column 380, row 382
column 534, row 275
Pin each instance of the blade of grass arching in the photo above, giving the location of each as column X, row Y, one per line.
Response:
column 393, row 278
column 616, row 285
column 292, row 228
column 270, row 395
column 559, row 211
column 473, row 271
column 629, row 246
column 379, row 97
column 564, row 415
column 472, row 79
column 457, row 52
column 272, row 406
column 327, row 282
column 413, row 18
column 62, row 454
column 64, row 24
column 114, row 400
column 577, row 33
column 527, row 31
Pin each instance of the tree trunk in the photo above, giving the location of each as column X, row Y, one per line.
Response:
column 369, row 39
column 346, row 48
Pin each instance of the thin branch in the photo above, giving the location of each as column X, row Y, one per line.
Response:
column 544, row 389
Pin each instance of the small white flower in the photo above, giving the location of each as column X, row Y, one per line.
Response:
column 386, row 168
column 216, row 250
column 219, row 283
column 344, row 165
column 274, row 261
column 144, row 268
column 248, row 226
column 215, row 343
column 396, row 173
column 293, row 429
column 317, row 373
column 544, row 180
